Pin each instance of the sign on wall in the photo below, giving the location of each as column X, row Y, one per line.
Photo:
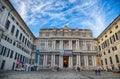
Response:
column 66, row 52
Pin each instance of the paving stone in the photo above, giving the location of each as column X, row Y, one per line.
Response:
column 63, row 74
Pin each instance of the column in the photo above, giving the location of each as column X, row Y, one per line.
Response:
column 84, row 44
column 60, row 61
column 86, row 61
column 77, row 45
column 70, row 44
column 92, row 46
column 61, row 44
column 52, row 60
column 70, row 62
column 93, row 62
column 79, row 62
column 52, row 44
column 46, row 44
column 44, row 60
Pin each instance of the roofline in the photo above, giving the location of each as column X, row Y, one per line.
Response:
column 62, row 28
column 19, row 17
column 118, row 17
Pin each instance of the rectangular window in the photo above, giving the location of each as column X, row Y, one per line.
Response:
column 23, row 58
column 4, row 51
column 113, row 38
column 13, row 18
column 108, row 50
column 8, row 52
column 110, row 31
column 15, row 56
column 102, row 62
column 20, row 57
column 11, row 55
column 111, row 60
column 90, row 60
column 110, row 40
column 116, row 36
column 104, row 53
column 117, row 59
column 13, row 28
column 23, row 39
column 113, row 48
column 82, row 61
column 99, row 48
column 17, row 32
column 0, row 48
column 20, row 36
column 105, row 61
column 116, row 26
column 7, row 24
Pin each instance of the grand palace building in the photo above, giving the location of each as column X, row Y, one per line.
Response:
column 63, row 47
column 66, row 47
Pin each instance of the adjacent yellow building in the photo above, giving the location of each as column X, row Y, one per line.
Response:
column 109, row 46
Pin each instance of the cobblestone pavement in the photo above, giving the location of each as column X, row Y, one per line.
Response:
column 63, row 74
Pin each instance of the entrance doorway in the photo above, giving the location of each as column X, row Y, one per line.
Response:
column 3, row 64
column 65, row 61
column 13, row 66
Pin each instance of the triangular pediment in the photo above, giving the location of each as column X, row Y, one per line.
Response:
column 66, row 27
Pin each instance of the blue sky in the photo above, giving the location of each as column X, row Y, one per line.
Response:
column 85, row 14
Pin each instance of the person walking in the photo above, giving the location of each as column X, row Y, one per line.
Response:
column 96, row 71
column 99, row 71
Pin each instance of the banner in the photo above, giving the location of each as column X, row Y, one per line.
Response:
column 36, row 56
column 67, row 52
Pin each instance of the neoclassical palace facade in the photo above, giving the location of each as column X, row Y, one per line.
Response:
column 66, row 48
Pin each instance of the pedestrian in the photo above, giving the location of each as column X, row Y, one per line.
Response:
column 99, row 71
column 96, row 71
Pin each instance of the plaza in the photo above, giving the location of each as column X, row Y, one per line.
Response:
column 26, row 56
column 62, row 74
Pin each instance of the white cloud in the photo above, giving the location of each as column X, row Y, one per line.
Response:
column 72, row 1
column 42, row 12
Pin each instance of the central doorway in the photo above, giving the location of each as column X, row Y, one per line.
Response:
column 65, row 61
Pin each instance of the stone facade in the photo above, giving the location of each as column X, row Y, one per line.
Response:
column 66, row 47
column 109, row 46
column 16, row 40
